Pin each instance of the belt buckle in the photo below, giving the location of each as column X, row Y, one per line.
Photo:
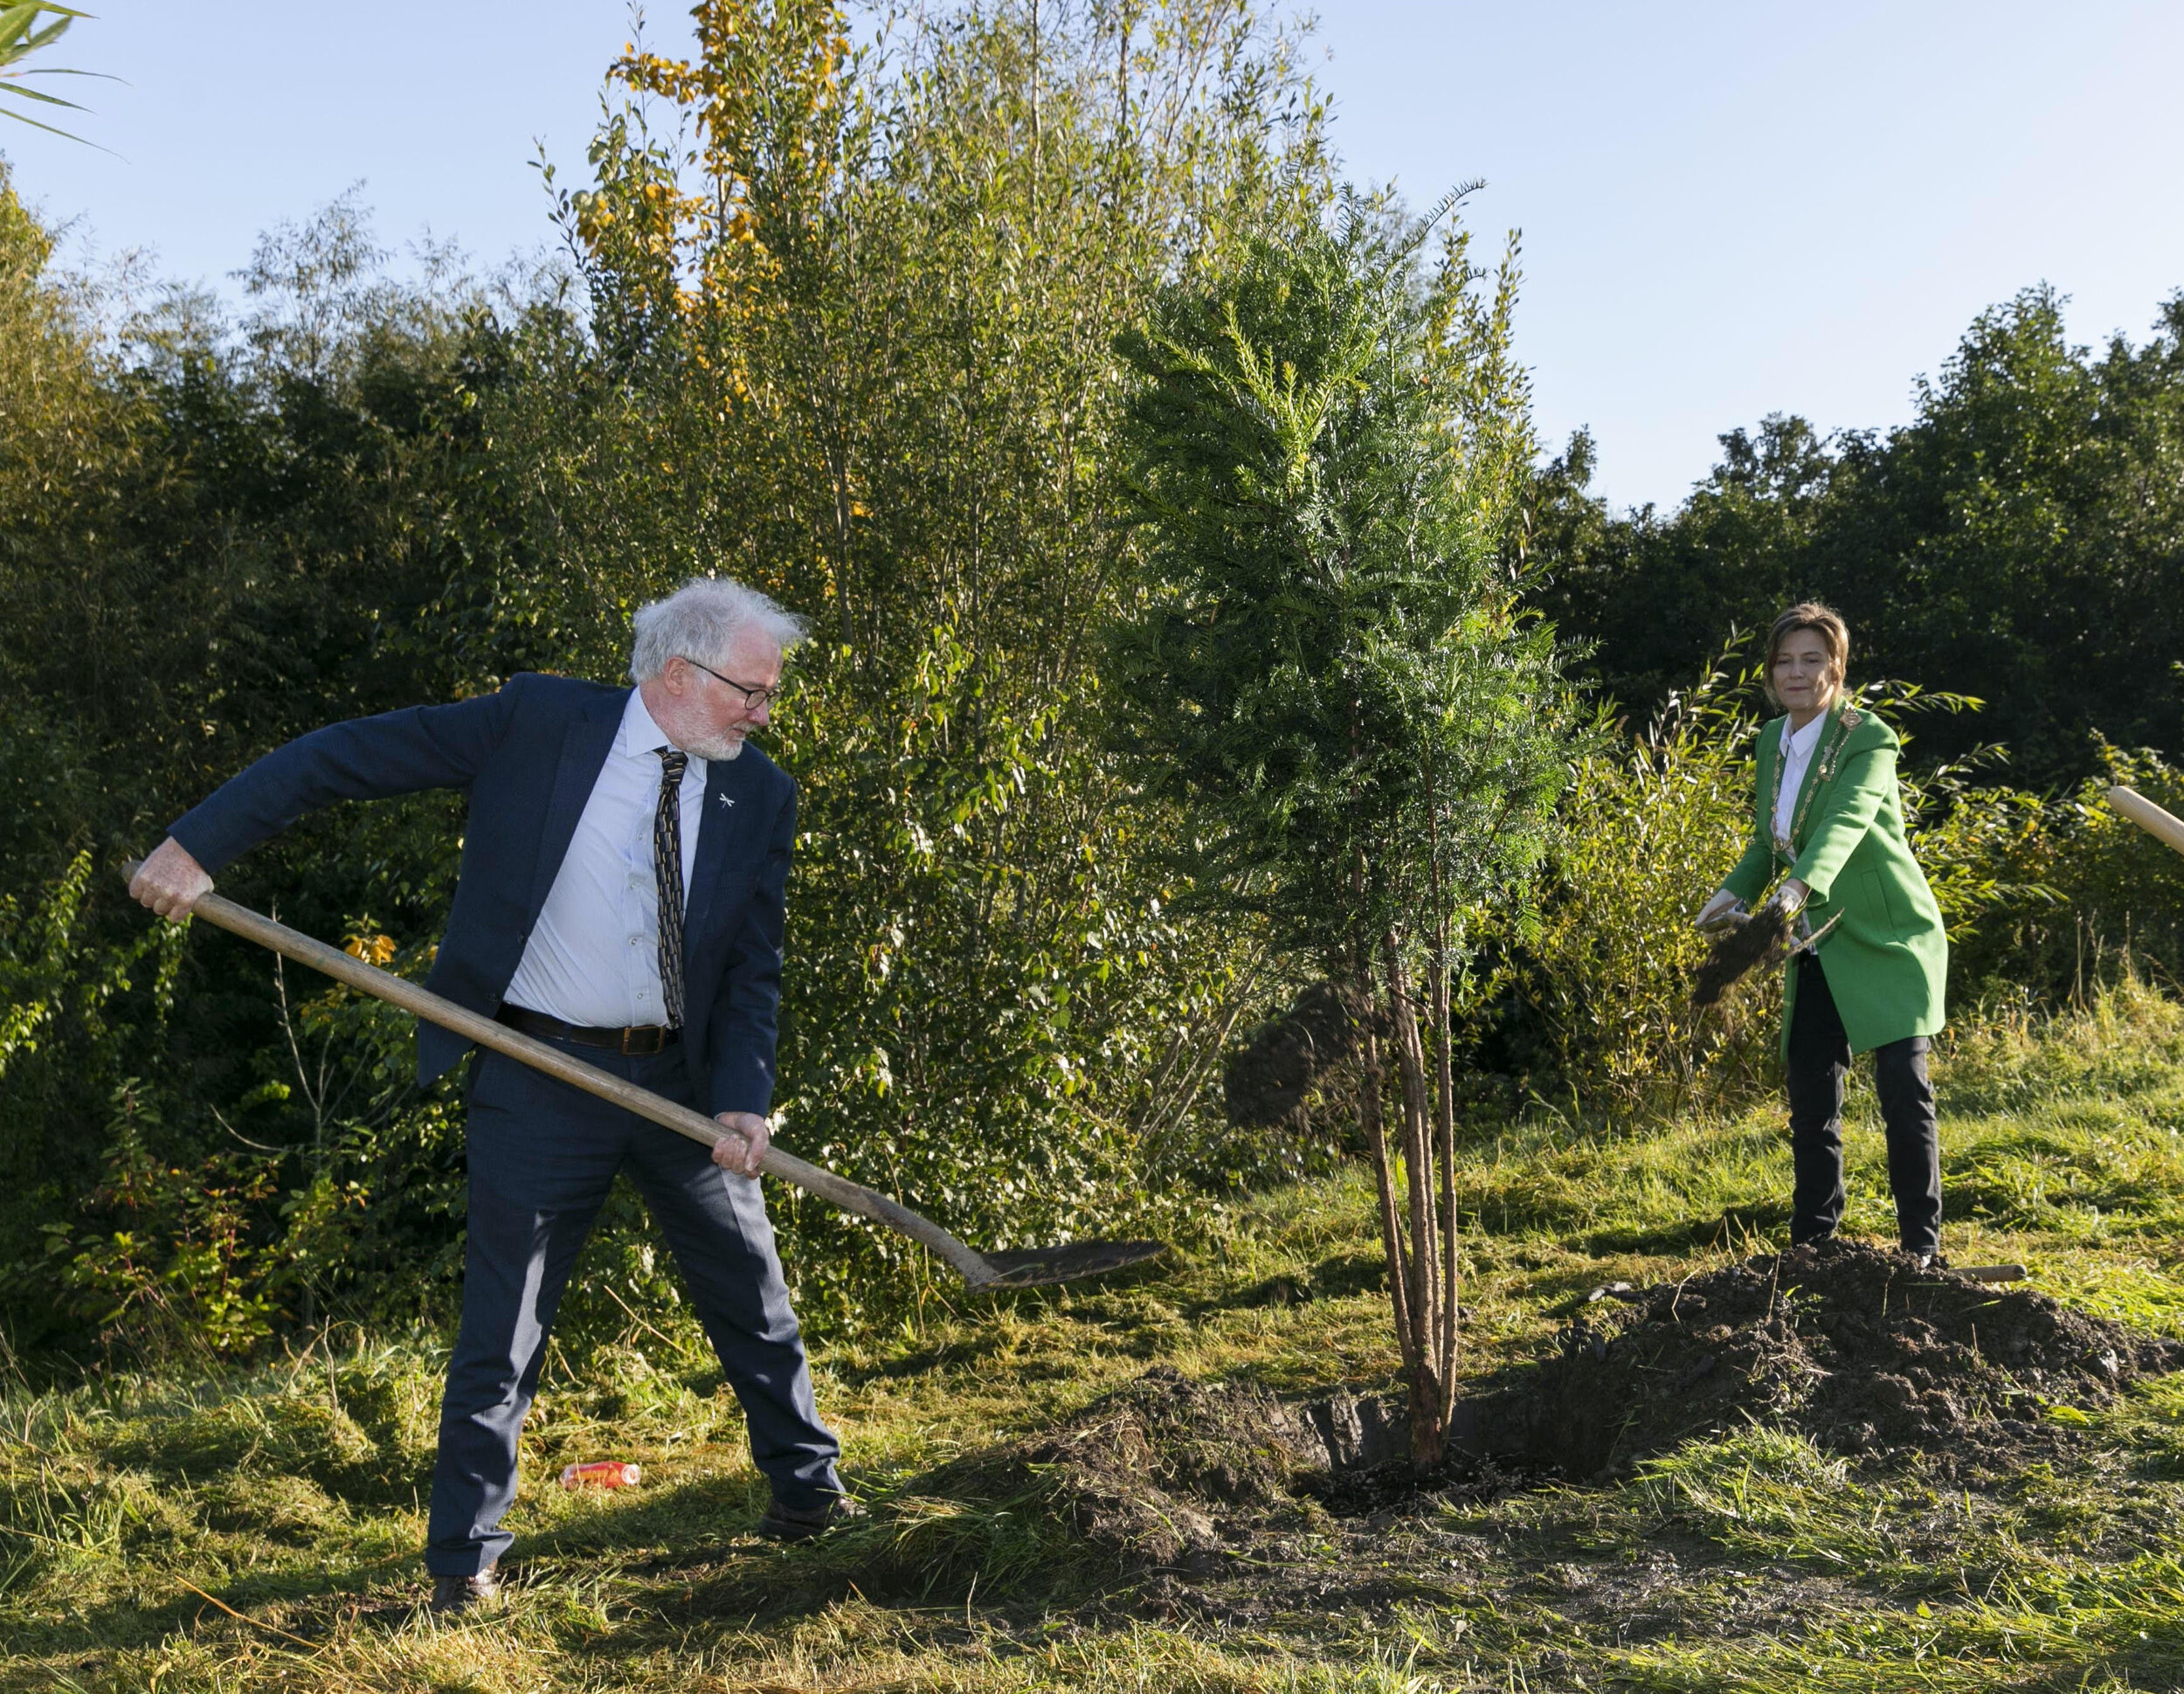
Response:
column 656, row 1041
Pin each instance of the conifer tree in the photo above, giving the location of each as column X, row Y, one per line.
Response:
column 1330, row 673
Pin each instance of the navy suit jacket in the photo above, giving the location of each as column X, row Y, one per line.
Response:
column 528, row 757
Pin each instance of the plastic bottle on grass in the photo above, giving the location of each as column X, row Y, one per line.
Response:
column 602, row 1473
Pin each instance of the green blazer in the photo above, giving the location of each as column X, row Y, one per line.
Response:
column 1886, row 961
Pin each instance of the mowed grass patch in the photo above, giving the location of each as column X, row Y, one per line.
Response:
column 132, row 1508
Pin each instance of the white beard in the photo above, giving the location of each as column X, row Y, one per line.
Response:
column 710, row 750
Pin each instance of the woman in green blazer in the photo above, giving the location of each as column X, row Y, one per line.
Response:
column 1829, row 821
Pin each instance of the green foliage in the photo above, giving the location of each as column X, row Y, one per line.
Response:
column 2043, row 897
column 168, row 1265
column 1329, row 677
column 36, row 960
column 2082, row 893
column 24, row 31
column 1326, row 672
column 214, row 536
column 1649, row 829
column 2021, row 540
column 881, row 385
column 856, row 350
column 67, row 1013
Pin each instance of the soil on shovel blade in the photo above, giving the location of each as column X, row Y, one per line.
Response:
column 1224, row 1499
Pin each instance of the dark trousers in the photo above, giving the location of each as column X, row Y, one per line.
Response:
column 1819, row 1063
column 542, row 1157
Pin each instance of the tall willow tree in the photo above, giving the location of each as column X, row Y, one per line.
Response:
column 1329, row 675
column 851, row 317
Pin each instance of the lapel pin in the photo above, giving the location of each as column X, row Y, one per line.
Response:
column 726, row 800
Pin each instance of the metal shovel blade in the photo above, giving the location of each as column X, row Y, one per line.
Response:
column 1035, row 1266
column 1029, row 1267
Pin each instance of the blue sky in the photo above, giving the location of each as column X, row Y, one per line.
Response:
column 1728, row 210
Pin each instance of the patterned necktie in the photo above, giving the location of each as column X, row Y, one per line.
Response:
column 668, row 874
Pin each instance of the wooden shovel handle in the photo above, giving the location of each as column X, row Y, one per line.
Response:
column 225, row 914
column 2149, row 817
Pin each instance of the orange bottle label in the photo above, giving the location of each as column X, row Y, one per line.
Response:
column 602, row 1473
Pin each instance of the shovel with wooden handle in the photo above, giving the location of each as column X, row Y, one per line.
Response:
column 2162, row 826
column 1028, row 1267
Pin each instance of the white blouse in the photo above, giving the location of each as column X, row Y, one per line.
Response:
column 1797, row 756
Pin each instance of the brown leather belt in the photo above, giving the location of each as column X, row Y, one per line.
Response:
column 639, row 1041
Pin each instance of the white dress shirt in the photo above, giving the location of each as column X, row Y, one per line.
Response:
column 1797, row 756
column 593, row 957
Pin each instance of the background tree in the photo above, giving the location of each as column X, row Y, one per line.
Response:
column 2021, row 541
column 840, row 324
column 854, row 312
column 1655, row 596
column 214, row 534
column 1331, row 677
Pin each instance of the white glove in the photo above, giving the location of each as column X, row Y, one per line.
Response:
column 1717, row 911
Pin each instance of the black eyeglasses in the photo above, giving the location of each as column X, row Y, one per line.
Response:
column 754, row 699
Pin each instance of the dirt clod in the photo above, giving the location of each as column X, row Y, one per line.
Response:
column 1762, row 940
column 1165, row 1471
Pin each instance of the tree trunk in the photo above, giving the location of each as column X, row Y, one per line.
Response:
column 1445, row 1129
column 1370, row 1120
column 1427, row 1404
column 1444, row 1091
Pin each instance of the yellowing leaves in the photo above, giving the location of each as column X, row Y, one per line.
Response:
column 765, row 90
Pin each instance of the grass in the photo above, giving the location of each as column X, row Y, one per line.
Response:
column 138, row 1517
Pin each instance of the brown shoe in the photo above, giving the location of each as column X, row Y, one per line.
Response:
column 784, row 1522
column 459, row 1593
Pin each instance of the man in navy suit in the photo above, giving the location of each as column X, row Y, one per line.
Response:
column 624, row 872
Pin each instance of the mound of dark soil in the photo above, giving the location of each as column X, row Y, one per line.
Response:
column 1851, row 1345
column 1165, row 1471
column 1251, row 1503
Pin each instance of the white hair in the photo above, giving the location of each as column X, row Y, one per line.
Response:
column 701, row 620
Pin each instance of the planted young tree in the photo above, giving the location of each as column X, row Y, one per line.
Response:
column 1329, row 671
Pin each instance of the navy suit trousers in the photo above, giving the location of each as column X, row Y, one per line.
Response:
column 543, row 1158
